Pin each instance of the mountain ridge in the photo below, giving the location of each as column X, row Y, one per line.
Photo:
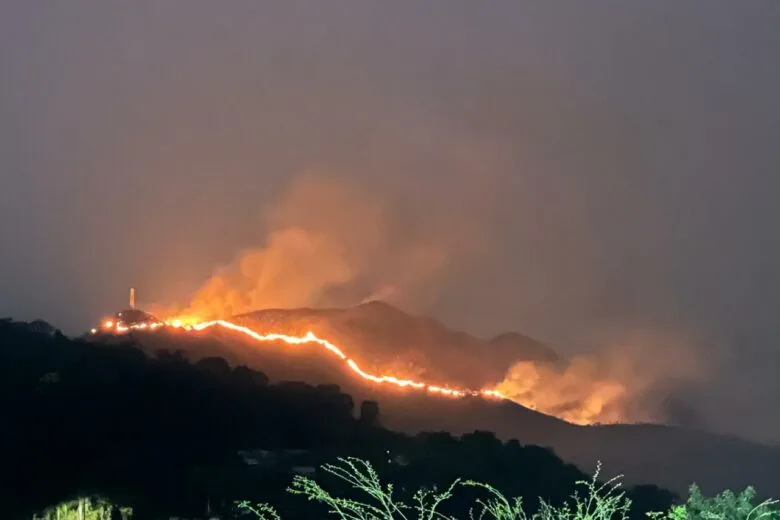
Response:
column 669, row 456
column 384, row 337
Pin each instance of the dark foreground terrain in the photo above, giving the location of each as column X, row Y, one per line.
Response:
column 173, row 438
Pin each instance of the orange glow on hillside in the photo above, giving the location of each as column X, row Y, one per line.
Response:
column 593, row 408
column 311, row 338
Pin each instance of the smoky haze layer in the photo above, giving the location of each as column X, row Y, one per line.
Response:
column 641, row 376
column 330, row 243
column 620, row 158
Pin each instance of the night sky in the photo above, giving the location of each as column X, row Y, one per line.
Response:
column 614, row 166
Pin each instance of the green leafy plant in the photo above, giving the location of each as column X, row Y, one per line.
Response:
column 380, row 503
column 594, row 501
column 260, row 511
column 497, row 506
column 675, row 513
column 724, row 506
column 599, row 502
column 84, row 509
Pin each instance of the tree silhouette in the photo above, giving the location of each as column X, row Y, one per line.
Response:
column 369, row 413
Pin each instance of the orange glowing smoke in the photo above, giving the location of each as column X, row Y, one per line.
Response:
column 310, row 338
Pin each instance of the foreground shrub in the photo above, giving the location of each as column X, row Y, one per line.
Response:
column 725, row 506
column 85, row 509
column 598, row 502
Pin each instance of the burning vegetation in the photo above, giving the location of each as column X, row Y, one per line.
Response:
column 584, row 390
column 331, row 249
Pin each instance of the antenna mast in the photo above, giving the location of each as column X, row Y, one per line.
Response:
column 132, row 298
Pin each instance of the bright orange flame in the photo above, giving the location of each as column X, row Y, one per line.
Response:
column 120, row 328
column 310, row 338
column 591, row 409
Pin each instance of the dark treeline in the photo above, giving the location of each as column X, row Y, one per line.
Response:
column 174, row 438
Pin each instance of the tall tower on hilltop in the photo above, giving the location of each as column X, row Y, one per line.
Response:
column 127, row 319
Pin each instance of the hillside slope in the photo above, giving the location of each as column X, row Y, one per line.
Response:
column 175, row 439
column 379, row 336
column 385, row 339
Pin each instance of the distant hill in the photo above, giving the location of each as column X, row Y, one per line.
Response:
column 378, row 336
column 670, row 457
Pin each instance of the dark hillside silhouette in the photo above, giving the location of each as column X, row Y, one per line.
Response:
column 169, row 437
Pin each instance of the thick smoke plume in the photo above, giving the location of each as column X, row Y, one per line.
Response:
column 329, row 243
column 638, row 378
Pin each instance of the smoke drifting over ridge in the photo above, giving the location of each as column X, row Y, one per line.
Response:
column 631, row 147
column 636, row 378
column 330, row 243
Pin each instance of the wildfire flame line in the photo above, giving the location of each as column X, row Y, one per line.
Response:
column 309, row 338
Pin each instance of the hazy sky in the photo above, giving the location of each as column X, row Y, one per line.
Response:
column 619, row 161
